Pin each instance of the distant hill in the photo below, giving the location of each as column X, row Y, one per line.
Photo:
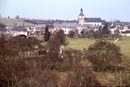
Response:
column 14, row 22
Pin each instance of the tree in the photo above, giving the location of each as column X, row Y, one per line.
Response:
column 24, row 44
column 116, row 35
column 61, row 37
column 53, row 47
column 40, row 78
column 17, row 17
column 12, row 71
column 103, row 54
column 2, row 27
column 47, row 34
column 71, row 34
column 8, row 17
column 81, row 77
column 90, row 34
column 7, row 49
column 105, row 30
column 55, row 41
column 97, row 35
column 69, row 60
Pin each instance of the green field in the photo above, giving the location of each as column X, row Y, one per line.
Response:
column 81, row 43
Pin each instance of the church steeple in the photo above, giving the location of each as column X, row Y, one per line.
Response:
column 81, row 12
column 81, row 17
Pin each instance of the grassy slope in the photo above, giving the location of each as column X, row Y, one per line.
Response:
column 11, row 22
column 80, row 43
column 124, row 45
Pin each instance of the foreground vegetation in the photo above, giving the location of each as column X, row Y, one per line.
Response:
column 81, row 63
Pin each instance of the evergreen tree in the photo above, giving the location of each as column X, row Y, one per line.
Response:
column 47, row 34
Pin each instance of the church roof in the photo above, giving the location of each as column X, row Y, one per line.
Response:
column 93, row 20
column 66, row 25
column 50, row 26
column 81, row 14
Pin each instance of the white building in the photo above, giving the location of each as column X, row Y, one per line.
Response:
column 66, row 27
column 125, row 31
column 19, row 30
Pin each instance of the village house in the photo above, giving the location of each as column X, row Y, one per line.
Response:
column 125, row 31
column 66, row 27
column 19, row 30
column 114, row 28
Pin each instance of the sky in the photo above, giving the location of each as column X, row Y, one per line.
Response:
column 66, row 9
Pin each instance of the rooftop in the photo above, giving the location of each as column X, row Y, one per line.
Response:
column 19, row 28
column 93, row 20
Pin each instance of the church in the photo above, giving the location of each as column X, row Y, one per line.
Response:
column 82, row 20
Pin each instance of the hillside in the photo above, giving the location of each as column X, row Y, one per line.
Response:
column 14, row 22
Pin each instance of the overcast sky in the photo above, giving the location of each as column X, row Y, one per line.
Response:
column 66, row 9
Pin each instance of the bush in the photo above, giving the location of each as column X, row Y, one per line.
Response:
column 103, row 53
column 18, row 73
column 40, row 78
column 7, row 49
column 12, row 71
column 53, row 47
column 61, row 37
column 71, row 34
column 69, row 60
column 81, row 77
column 24, row 44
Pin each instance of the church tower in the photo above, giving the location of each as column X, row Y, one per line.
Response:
column 81, row 17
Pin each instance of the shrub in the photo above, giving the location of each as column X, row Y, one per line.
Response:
column 18, row 73
column 12, row 71
column 69, row 60
column 53, row 47
column 103, row 53
column 61, row 37
column 7, row 49
column 40, row 78
column 81, row 77
column 24, row 44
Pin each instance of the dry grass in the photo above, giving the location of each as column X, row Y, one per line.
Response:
column 13, row 22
